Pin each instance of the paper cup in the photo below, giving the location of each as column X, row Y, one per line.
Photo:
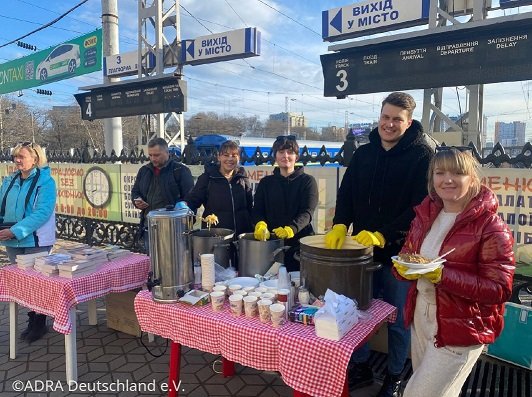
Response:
column 250, row 306
column 219, row 287
column 234, row 287
column 255, row 293
column 240, row 292
column 282, row 295
column 264, row 310
column 217, row 300
column 235, row 303
column 268, row 295
column 277, row 314
column 262, row 290
column 248, row 289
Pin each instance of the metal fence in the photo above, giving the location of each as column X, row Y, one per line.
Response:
column 97, row 232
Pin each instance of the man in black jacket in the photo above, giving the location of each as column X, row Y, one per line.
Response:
column 384, row 181
column 161, row 182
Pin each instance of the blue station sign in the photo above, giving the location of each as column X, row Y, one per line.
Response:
column 235, row 44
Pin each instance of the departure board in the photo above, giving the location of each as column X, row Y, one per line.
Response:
column 483, row 54
column 149, row 96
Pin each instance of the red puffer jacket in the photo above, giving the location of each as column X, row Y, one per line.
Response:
column 477, row 276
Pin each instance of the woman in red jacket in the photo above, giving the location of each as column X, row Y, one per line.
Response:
column 456, row 309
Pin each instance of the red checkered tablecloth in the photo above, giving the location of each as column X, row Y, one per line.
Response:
column 55, row 296
column 307, row 363
column 318, row 366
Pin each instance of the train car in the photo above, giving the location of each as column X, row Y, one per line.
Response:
column 250, row 144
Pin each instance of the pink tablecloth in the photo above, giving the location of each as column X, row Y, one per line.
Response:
column 307, row 363
column 55, row 296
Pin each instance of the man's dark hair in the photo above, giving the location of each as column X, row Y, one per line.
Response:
column 401, row 100
column 284, row 142
column 158, row 142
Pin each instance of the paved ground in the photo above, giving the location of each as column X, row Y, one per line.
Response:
column 112, row 357
column 108, row 356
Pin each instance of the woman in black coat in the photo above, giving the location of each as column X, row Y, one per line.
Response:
column 224, row 190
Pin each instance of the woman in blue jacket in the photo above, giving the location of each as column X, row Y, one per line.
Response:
column 27, row 211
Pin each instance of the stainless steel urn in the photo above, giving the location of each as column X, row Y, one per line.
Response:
column 171, row 273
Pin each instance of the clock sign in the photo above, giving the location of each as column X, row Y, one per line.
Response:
column 97, row 187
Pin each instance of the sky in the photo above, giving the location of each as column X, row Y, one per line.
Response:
column 288, row 67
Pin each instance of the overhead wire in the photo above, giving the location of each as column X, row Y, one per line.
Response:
column 45, row 25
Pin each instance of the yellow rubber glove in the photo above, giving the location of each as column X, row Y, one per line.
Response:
column 334, row 239
column 261, row 231
column 434, row 276
column 284, row 232
column 401, row 269
column 370, row 239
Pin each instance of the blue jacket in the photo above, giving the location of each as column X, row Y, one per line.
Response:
column 34, row 224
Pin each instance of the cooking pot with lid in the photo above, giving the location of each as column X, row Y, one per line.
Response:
column 256, row 257
column 216, row 240
column 347, row 271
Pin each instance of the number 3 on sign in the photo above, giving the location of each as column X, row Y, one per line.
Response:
column 342, row 74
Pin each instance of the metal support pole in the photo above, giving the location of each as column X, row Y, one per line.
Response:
column 112, row 127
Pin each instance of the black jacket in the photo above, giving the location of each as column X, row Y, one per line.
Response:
column 380, row 188
column 290, row 201
column 176, row 182
column 230, row 201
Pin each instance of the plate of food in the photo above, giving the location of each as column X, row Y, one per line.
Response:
column 416, row 261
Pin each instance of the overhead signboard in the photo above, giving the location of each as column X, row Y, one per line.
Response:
column 488, row 53
column 235, row 44
column 133, row 98
column 76, row 57
column 125, row 64
column 514, row 3
column 369, row 17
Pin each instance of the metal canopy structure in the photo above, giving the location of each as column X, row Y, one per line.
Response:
column 159, row 35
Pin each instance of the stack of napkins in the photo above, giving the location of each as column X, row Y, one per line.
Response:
column 47, row 265
column 27, row 261
column 336, row 317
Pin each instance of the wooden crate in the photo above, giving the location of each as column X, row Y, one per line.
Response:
column 121, row 312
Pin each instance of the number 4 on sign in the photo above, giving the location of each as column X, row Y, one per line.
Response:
column 88, row 112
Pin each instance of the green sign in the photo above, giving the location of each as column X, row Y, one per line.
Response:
column 78, row 56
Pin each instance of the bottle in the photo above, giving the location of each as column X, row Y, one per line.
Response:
column 303, row 296
column 197, row 276
column 283, row 279
column 292, row 297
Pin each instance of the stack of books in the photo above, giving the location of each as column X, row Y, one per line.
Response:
column 48, row 265
column 27, row 261
column 115, row 252
column 83, row 262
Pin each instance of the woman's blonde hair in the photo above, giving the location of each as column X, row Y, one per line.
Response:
column 458, row 162
column 35, row 150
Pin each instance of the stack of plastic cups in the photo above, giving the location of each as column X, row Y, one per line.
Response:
column 207, row 271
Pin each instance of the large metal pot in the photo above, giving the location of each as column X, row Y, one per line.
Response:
column 215, row 241
column 171, row 273
column 256, row 257
column 347, row 271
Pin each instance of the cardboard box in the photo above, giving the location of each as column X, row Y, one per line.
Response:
column 121, row 312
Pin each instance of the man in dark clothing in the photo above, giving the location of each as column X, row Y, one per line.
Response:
column 162, row 182
column 384, row 181
column 285, row 201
